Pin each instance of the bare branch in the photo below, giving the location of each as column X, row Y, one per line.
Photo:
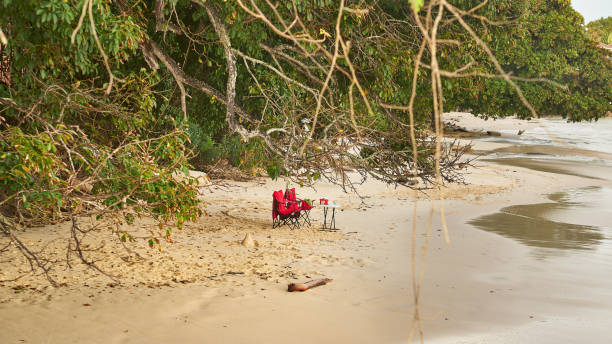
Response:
column 80, row 23
column 87, row 6
column 303, row 67
column 32, row 258
column 275, row 70
column 161, row 24
column 457, row 74
column 152, row 49
column 327, row 78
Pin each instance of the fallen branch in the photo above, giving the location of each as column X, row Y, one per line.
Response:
column 310, row 284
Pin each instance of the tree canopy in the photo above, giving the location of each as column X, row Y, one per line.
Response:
column 600, row 30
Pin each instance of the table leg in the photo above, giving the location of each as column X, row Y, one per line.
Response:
column 324, row 218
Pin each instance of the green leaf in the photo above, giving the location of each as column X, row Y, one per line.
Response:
column 417, row 4
column 273, row 171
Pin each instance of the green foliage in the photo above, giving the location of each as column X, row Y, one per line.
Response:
column 30, row 163
column 40, row 35
column 600, row 30
column 274, row 171
column 202, row 144
column 66, row 148
column 542, row 40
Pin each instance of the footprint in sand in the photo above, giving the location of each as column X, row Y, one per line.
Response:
column 361, row 262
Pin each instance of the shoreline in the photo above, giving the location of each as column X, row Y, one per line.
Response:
column 477, row 286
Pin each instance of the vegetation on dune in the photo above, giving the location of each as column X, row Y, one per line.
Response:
column 104, row 102
column 600, row 30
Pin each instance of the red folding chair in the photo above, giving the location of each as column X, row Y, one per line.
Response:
column 284, row 213
column 302, row 205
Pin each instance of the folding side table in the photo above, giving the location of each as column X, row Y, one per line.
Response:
column 332, row 218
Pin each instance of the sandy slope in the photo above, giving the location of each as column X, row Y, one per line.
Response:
column 207, row 288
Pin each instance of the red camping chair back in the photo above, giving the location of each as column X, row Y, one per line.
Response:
column 278, row 205
column 290, row 194
column 299, row 204
column 293, row 202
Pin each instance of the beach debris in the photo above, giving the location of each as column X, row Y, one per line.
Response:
column 310, row 284
column 493, row 133
column 454, row 127
column 248, row 241
column 201, row 178
column 520, row 132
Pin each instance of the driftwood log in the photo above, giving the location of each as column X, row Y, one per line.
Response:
column 308, row 285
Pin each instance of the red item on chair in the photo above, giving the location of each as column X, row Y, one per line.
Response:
column 323, row 201
column 300, row 205
column 305, row 206
column 279, row 206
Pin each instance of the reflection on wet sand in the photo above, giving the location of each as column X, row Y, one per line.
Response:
column 552, row 151
column 529, row 223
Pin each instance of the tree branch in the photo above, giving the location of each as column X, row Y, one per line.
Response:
column 232, row 72
column 3, row 39
column 161, row 24
column 275, row 70
column 151, row 49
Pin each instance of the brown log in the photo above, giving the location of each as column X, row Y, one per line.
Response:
column 308, row 285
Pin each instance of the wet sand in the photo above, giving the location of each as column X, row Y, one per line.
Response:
column 576, row 219
column 496, row 284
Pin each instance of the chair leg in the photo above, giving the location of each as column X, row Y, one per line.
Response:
column 279, row 222
column 289, row 221
column 306, row 217
column 295, row 222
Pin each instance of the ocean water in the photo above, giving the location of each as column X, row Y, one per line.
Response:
column 573, row 141
column 595, row 136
